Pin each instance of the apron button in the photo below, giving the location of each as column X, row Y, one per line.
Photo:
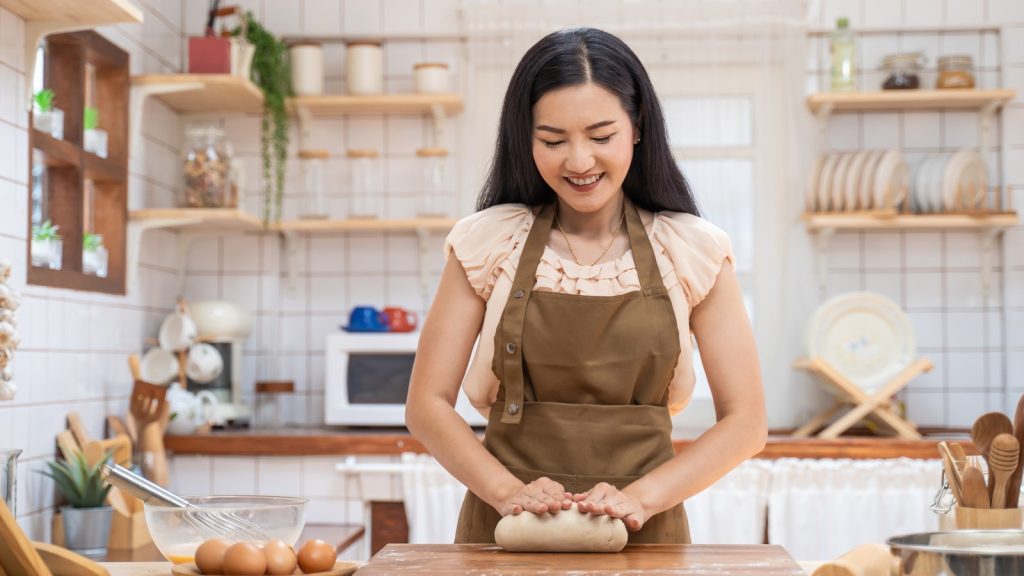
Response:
column 513, row 408
column 510, row 348
column 519, row 293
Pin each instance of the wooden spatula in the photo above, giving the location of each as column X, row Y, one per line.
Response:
column 17, row 555
column 953, row 476
column 1003, row 458
column 959, row 456
column 77, row 428
column 1013, row 487
column 985, row 429
column 975, row 492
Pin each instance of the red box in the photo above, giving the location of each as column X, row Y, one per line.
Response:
column 209, row 55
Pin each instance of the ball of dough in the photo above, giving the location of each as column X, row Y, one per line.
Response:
column 567, row 531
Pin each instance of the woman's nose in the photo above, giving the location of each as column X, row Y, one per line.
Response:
column 579, row 160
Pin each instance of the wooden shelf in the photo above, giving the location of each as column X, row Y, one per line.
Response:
column 203, row 92
column 908, row 100
column 881, row 220
column 103, row 169
column 338, row 104
column 365, row 225
column 56, row 152
column 196, row 218
column 85, row 12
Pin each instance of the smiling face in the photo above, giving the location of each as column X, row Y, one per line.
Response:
column 583, row 145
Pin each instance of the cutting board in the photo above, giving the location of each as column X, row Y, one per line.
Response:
column 707, row 560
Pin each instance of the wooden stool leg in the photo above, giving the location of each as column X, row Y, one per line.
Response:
column 870, row 404
column 817, row 422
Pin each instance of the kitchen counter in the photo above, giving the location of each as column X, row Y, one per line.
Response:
column 394, row 441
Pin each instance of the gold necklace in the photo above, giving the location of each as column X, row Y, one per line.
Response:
column 607, row 248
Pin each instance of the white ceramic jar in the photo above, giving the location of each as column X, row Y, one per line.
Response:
column 431, row 78
column 365, row 73
column 307, row 64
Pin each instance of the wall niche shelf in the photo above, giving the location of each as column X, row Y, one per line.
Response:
column 45, row 17
column 990, row 225
column 827, row 102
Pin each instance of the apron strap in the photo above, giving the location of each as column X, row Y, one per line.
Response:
column 511, row 345
column 643, row 252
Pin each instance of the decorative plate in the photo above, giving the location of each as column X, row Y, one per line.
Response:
column 851, row 188
column 839, row 182
column 886, row 178
column 865, row 193
column 864, row 335
column 810, row 199
column 960, row 183
column 342, row 568
column 825, row 183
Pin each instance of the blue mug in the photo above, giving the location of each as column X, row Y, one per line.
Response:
column 365, row 318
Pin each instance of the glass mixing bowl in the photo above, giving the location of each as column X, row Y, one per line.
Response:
column 177, row 532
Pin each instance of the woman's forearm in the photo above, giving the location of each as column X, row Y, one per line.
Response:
column 721, row 448
column 452, row 443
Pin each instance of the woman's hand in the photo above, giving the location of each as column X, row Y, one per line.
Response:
column 605, row 499
column 540, row 496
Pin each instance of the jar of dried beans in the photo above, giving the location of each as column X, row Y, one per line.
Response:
column 207, row 165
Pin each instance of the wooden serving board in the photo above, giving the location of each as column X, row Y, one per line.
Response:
column 709, row 560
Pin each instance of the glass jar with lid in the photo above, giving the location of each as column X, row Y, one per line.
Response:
column 956, row 71
column 207, row 167
column 437, row 193
column 314, row 203
column 365, row 180
column 904, row 71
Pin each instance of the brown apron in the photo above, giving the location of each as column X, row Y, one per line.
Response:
column 583, row 386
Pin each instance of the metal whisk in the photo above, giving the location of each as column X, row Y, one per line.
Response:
column 211, row 522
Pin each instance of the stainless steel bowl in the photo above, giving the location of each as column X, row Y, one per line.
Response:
column 960, row 553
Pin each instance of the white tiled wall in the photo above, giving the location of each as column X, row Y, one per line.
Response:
column 75, row 344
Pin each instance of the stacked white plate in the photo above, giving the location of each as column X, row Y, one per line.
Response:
column 863, row 335
column 859, row 180
column 948, row 182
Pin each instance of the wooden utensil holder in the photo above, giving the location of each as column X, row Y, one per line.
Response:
column 989, row 518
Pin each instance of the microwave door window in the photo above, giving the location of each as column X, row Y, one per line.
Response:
column 379, row 378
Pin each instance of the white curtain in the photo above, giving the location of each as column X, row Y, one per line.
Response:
column 432, row 497
column 819, row 509
column 732, row 510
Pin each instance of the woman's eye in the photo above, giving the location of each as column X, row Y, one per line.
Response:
column 551, row 144
column 603, row 140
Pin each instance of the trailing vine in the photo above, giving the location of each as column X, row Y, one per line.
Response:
column 270, row 72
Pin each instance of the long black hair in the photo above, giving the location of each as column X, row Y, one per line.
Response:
column 569, row 58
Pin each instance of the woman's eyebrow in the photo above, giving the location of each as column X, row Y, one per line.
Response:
column 601, row 124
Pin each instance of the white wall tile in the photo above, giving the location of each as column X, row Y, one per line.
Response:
column 923, row 289
column 399, row 57
column 403, row 253
column 327, row 293
column 283, row 17
column 921, row 13
column 844, row 132
column 362, row 17
column 965, row 13
column 963, row 250
column 966, row 370
column 965, row 329
column 921, row 130
column 233, row 475
column 12, row 30
column 293, row 334
column 1015, row 330
column 328, row 254
column 964, row 408
column 1013, row 44
column 842, row 282
column 366, row 253
column 366, row 132
column 404, row 291
column 242, row 291
column 844, row 251
column 191, row 475
column 279, row 476
column 205, row 287
column 441, row 16
column 1005, row 11
column 367, row 290
column 923, row 250
column 321, row 18
column 964, row 289
column 926, row 408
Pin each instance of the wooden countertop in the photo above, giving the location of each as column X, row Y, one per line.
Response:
column 483, row 559
column 394, row 441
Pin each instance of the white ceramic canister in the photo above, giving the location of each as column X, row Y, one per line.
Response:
column 431, row 78
column 307, row 63
column 365, row 74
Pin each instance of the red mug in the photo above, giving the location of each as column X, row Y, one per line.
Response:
column 399, row 319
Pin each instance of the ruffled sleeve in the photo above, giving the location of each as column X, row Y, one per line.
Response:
column 690, row 252
column 488, row 244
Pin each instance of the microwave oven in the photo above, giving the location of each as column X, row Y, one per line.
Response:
column 367, row 379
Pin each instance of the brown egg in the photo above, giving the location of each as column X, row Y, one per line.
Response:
column 316, row 556
column 244, row 559
column 210, row 556
column 280, row 557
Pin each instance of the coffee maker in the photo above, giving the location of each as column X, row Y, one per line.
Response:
column 225, row 326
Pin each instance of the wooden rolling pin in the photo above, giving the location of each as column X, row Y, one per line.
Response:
column 864, row 560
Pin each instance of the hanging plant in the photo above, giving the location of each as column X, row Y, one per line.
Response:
column 270, row 72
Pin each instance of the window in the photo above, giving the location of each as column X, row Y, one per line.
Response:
column 79, row 165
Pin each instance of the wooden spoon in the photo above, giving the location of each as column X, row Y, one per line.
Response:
column 975, row 492
column 1013, row 488
column 985, row 429
column 1003, row 460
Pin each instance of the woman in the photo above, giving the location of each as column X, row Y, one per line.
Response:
column 583, row 273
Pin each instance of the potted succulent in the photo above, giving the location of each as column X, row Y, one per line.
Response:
column 94, row 255
column 47, row 245
column 46, row 117
column 86, row 516
column 95, row 140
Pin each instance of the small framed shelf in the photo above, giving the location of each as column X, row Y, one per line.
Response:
column 366, row 225
column 344, row 104
column 203, row 92
column 826, row 102
column 823, row 225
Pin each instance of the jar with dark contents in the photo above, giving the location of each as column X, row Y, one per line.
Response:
column 955, row 72
column 207, row 167
column 903, row 71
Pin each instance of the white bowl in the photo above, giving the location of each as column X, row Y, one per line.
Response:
column 219, row 319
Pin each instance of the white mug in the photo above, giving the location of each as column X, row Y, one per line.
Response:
column 204, row 363
column 177, row 332
column 158, row 366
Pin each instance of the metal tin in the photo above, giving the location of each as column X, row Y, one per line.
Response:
column 960, row 553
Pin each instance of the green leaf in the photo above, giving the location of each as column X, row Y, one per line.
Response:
column 83, row 486
column 44, row 99
column 91, row 118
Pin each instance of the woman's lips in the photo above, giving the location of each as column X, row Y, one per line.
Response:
column 585, row 187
